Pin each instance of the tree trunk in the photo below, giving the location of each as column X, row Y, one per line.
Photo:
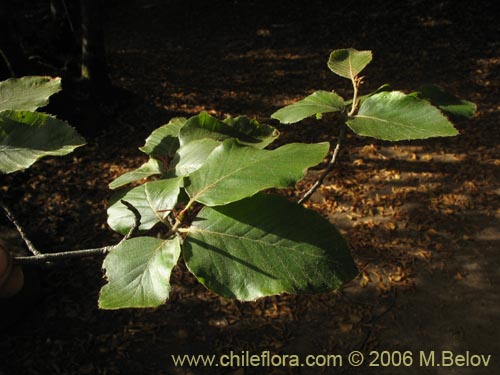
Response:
column 93, row 66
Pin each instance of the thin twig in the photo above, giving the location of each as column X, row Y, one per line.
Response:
column 23, row 235
column 328, row 169
column 7, row 64
column 44, row 258
column 137, row 220
column 356, row 82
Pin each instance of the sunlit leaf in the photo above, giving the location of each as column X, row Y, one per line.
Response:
column 26, row 137
column 233, row 171
column 348, row 63
column 266, row 245
column 27, row 93
column 394, row 116
column 138, row 273
column 150, row 168
column 163, row 142
column 193, row 155
column 153, row 200
column 315, row 104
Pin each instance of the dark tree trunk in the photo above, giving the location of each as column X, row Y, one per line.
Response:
column 93, row 65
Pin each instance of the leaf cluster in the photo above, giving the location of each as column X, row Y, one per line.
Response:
column 208, row 196
column 26, row 135
column 383, row 114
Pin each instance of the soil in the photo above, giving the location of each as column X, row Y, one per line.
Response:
column 422, row 217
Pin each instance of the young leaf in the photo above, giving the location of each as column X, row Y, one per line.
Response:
column 163, row 142
column 348, row 63
column 233, row 172
column 317, row 103
column 153, row 200
column 193, row 155
column 27, row 93
column 150, row 168
column 394, row 116
column 266, row 245
column 138, row 272
column 247, row 131
column 446, row 102
column 26, row 137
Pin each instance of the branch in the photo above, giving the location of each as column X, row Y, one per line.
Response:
column 44, row 258
column 356, row 82
column 23, row 235
column 328, row 169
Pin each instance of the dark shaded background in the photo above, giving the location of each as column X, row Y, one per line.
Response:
column 422, row 217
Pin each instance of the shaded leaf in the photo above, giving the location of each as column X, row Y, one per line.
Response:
column 394, row 116
column 163, row 142
column 26, row 137
column 153, row 200
column 446, row 102
column 266, row 245
column 251, row 132
column 348, row 63
column 150, row 168
column 138, row 273
column 233, row 172
column 315, row 104
column 247, row 131
column 27, row 93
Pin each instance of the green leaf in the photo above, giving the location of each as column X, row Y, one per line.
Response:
column 138, row 272
column 384, row 88
column 348, row 63
column 150, row 168
column 266, row 245
column 163, row 142
column 26, row 137
column 27, row 93
column 394, row 116
column 233, row 172
column 446, row 102
column 193, row 155
column 153, row 200
column 247, row 131
column 251, row 132
column 317, row 103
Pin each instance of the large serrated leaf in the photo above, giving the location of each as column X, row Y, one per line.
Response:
column 316, row 103
column 153, row 200
column 27, row 93
column 138, row 273
column 26, row 137
column 246, row 130
column 446, row 102
column 394, row 116
column 233, row 171
column 348, row 63
column 266, row 245
column 163, row 142
column 150, row 168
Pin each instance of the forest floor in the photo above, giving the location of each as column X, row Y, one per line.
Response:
column 422, row 217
